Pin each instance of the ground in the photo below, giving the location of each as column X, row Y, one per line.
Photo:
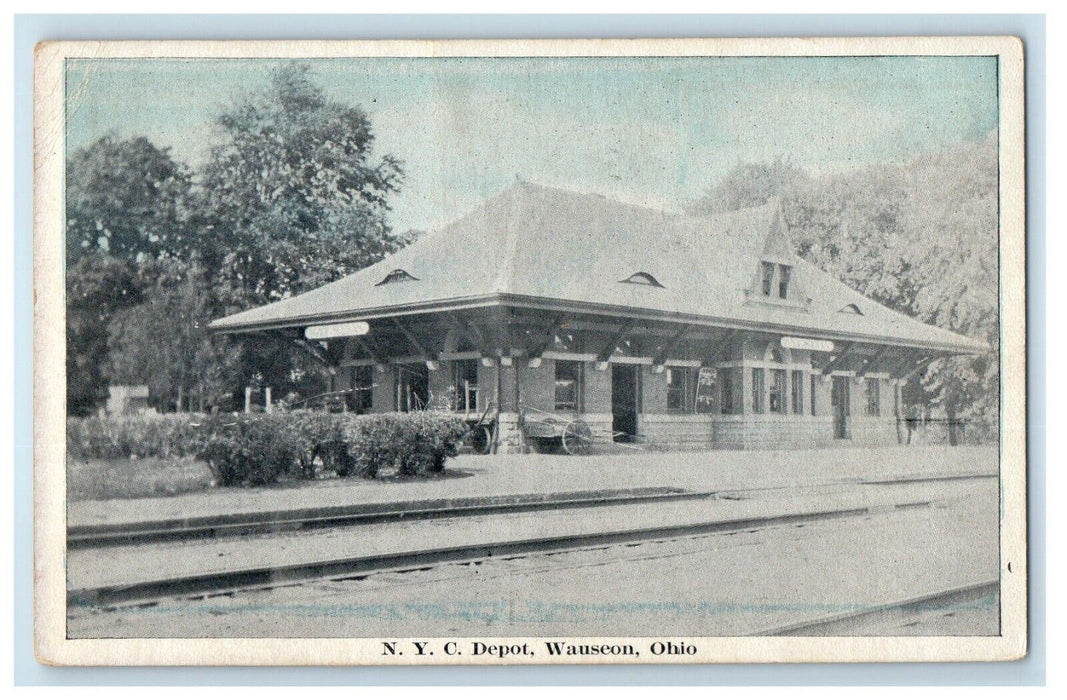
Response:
column 915, row 521
column 752, row 581
column 499, row 475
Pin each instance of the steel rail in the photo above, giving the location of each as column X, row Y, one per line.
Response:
column 262, row 577
column 339, row 516
column 940, row 600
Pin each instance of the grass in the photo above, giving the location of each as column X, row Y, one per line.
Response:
column 104, row 479
column 101, row 479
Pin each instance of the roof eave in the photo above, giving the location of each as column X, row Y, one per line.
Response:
column 220, row 326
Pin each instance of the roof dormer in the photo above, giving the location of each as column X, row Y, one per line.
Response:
column 642, row 278
column 397, row 276
column 775, row 280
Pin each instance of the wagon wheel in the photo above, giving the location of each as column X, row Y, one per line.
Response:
column 577, row 438
column 481, row 439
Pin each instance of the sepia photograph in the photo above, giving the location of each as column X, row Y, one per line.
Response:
column 530, row 352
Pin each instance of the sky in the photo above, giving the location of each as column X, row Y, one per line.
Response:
column 650, row 131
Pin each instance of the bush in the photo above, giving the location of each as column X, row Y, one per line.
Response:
column 320, row 439
column 147, row 435
column 410, row 443
column 249, row 449
column 256, row 449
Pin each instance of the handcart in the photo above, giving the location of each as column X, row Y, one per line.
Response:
column 572, row 433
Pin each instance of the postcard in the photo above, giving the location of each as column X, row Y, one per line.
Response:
column 530, row 352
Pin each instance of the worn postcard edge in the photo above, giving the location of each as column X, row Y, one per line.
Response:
column 51, row 645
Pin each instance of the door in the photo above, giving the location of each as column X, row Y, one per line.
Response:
column 624, row 397
column 839, row 400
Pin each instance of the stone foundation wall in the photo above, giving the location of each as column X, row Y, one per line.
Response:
column 772, row 432
column 670, row 430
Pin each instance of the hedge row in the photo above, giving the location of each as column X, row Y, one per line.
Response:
column 254, row 449
column 150, row 435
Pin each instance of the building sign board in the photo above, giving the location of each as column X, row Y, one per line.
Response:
column 807, row 344
column 337, row 330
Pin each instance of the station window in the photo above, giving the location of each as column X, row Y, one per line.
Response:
column 362, row 385
column 776, row 395
column 784, row 273
column 568, row 385
column 797, row 392
column 873, row 397
column 767, row 272
column 757, row 390
column 465, row 385
column 679, row 382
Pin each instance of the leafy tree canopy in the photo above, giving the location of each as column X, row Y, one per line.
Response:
column 919, row 236
column 97, row 286
column 164, row 341
column 293, row 196
column 127, row 198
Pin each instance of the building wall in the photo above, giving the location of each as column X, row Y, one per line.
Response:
column 486, row 386
column 538, row 385
column 822, row 396
column 509, row 394
column 383, row 397
column 597, row 389
column 772, row 431
column 656, row 425
column 653, row 392
column 675, row 430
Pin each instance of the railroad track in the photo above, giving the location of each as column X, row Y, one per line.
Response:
column 915, row 610
column 271, row 522
column 149, row 593
column 360, row 514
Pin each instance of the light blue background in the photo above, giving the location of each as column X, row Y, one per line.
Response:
column 30, row 29
column 650, row 131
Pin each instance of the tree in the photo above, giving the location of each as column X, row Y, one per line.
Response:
column 292, row 198
column 126, row 198
column 750, row 185
column 918, row 236
column 164, row 341
column 126, row 201
column 97, row 286
column 292, row 195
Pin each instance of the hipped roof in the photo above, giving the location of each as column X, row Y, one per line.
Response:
column 540, row 246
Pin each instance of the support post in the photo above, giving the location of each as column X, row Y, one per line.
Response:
column 248, row 399
column 266, row 400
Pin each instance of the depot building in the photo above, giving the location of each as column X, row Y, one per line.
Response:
column 651, row 327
